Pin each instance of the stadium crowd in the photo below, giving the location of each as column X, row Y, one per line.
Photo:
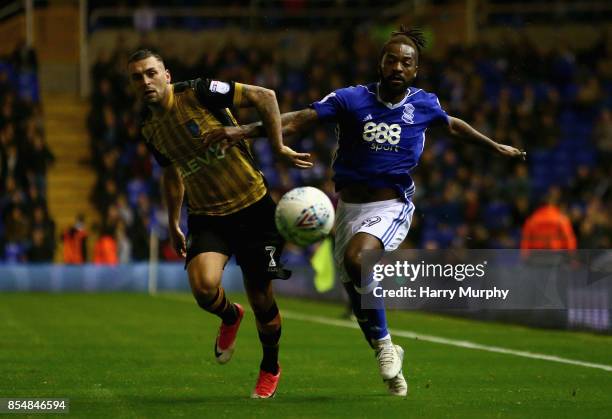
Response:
column 27, row 232
column 555, row 104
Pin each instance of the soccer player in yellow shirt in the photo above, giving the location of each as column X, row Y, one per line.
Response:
column 230, row 211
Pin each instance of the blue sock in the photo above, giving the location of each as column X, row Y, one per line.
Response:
column 378, row 323
column 373, row 322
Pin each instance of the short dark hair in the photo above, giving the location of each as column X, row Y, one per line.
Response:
column 141, row 54
column 408, row 36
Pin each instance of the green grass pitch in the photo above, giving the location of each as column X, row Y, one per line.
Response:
column 132, row 355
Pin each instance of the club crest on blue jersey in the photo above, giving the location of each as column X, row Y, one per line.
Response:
column 408, row 115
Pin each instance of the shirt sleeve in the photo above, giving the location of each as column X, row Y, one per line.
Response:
column 218, row 94
column 436, row 115
column 331, row 106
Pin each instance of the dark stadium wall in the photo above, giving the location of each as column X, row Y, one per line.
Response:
column 12, row 31
column 181, row 44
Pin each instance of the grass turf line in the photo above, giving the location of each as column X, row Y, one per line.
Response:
column 130, row 355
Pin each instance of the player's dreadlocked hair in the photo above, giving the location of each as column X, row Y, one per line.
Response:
column 406, row 35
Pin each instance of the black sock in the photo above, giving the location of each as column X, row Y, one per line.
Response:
column 269, row 344
column 220, row 306
column 229, row 315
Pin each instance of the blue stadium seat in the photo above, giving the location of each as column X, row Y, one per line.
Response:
column 496, row 215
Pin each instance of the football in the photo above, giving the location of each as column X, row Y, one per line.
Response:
column 304, row 215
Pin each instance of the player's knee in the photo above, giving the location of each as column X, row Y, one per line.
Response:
column 204, row 272
column 204, row 284
column 268, row 317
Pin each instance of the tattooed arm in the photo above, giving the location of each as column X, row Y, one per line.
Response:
column 264, row 100
column 292, row 123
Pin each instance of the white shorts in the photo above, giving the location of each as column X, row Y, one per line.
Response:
column 389, row 221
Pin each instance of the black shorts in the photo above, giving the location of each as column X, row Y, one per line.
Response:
column 250, row 234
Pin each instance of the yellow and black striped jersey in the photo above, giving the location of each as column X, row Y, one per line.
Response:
column 216, row 182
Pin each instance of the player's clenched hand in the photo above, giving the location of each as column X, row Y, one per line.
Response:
column 509, row 151
column 177, row 238
column 227, row 136
column 299, row 160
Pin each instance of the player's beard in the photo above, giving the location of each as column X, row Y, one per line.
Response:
column 388, row 85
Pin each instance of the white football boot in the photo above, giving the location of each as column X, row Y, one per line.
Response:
column 397, row 385
column 389, row 358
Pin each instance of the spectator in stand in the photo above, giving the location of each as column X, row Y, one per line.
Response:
column 17, row 228
column 75, row 242
column 39, row 160
column 548, row 227
column 40, row 250
column 42, row 222
column 26, row 231
column 105, row 248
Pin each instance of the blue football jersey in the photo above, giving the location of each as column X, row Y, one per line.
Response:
column 379, row 143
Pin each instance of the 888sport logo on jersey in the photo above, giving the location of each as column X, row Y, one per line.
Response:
column 382, row 136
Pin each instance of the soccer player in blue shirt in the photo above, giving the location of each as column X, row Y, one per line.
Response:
column 381, row 135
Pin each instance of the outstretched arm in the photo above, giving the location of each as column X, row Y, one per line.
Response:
column 264, row 100
column 292, row 123
column 462, row 130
